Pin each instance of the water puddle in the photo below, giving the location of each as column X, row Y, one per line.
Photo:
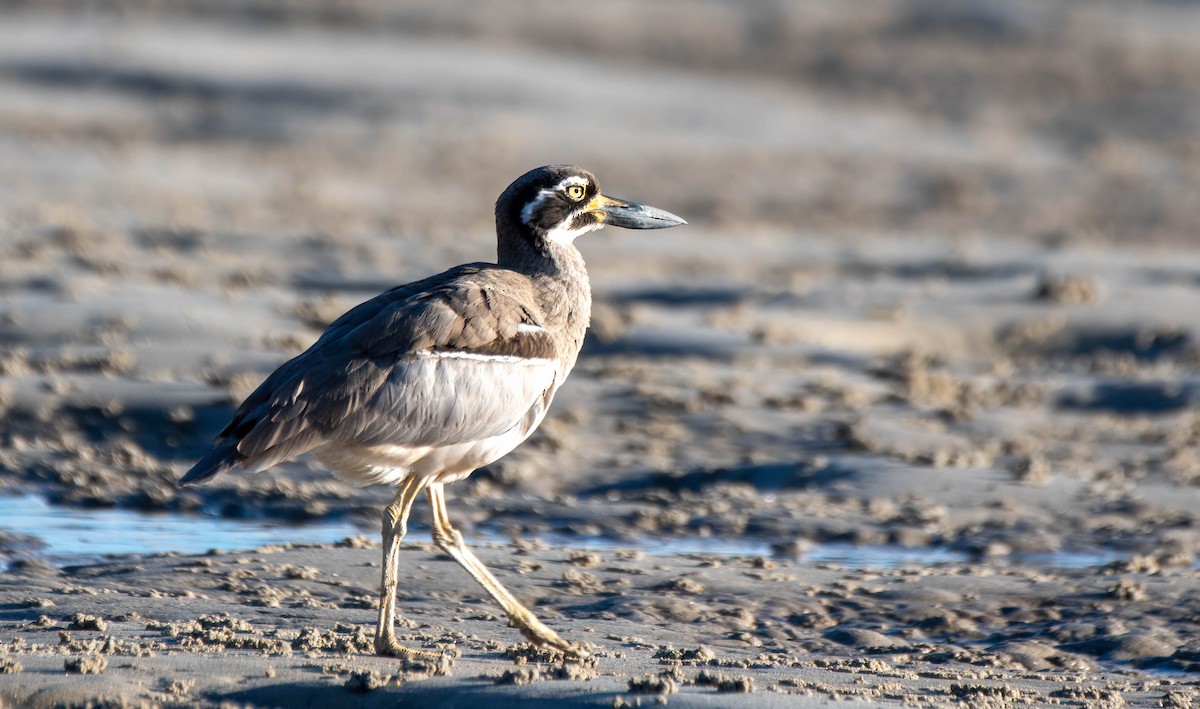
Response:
column 73, row 535
column 849, row 556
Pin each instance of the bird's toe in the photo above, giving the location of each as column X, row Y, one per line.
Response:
column 388, row 647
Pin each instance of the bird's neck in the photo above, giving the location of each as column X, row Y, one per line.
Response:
column 554, row 261
column 567, row 300
column 561, row 279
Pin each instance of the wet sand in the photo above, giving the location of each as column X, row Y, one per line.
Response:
column 292, row 626
column 937, row 294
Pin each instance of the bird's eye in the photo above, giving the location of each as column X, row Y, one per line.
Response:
column 576, row 192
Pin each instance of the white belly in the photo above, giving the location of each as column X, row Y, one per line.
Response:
column 390, row 464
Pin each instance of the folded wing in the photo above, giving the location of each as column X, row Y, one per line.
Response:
column 450, row 360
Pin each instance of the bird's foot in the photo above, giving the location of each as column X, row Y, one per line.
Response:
column 538, row 633
column 577, row 652
column 387, row 646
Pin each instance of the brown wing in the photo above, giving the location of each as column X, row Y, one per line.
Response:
column 452, row 359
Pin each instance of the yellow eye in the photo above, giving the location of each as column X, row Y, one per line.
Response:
column 576, row 192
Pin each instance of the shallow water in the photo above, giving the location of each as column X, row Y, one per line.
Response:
column 73, row 535
column 843, row 555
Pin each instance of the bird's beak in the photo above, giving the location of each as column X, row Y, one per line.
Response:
column 632, row 215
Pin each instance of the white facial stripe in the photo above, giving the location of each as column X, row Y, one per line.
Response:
column 559, row 234
column 494, row 359
column 529, row 209
column 572, row 180
column 564, row 235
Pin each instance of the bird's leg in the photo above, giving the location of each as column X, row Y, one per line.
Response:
column 395, row 526
column 449, row 540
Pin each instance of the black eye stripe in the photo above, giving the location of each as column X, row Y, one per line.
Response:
column 551, row 206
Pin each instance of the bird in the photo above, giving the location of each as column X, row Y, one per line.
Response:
column 425, row 383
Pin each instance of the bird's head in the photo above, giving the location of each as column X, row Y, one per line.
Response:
column 556, row 203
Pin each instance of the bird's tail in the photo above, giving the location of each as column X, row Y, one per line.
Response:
column 221, row 457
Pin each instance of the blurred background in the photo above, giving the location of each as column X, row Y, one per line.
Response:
column 1061, row 120
column 1065, row 120
column 938, row 291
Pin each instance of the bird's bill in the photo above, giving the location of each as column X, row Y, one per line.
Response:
column 632, row 215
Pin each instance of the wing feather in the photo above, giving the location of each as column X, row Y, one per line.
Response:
column 437, row 362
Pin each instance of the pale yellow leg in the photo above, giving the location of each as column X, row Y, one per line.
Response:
column 395, row 526
column 449, row 540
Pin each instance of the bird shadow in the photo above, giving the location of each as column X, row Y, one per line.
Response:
column 448, row 693
column 764, row 477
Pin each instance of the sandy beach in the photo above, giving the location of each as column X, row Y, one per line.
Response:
column 292, row 627
column 906, row 415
